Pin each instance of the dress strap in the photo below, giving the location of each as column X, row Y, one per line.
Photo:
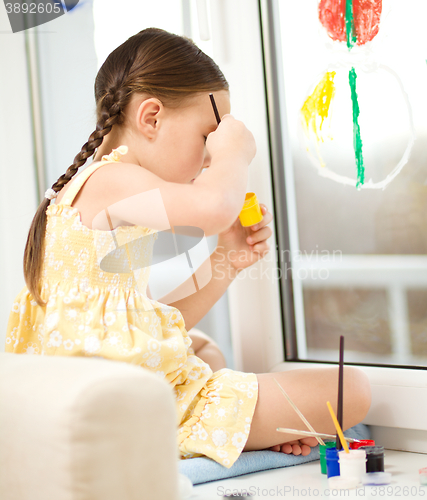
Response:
column 77, row 183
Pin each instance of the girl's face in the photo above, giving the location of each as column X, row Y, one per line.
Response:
column 174, row 138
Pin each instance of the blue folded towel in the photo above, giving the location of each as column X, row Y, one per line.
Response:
column 203, row 469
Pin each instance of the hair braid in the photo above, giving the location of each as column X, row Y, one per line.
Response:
column 110, row 112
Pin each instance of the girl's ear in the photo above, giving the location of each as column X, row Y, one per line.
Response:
column 147, row 117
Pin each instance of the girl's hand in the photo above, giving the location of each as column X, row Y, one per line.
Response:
column 231, row 138
column 243, row 246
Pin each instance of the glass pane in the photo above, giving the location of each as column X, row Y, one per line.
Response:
column 354, row 81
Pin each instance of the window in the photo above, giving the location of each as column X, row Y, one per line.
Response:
column 351, row 177
column 394, row 390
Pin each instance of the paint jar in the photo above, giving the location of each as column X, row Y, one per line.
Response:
column 322, row 453
column 251, row 212
column 376, row 478
column 332, row 465
column 375, row 458
column 423, row 476
column 342, row 483
column 362, row 442
column 352, row 464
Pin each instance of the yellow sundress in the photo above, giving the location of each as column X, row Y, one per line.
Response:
column 91, row 312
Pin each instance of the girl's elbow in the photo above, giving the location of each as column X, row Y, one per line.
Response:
column 223, row 217
column 218, row 224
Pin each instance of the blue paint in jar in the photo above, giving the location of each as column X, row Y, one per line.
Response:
column 332, row 464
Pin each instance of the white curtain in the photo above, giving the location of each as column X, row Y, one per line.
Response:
column 18, row 201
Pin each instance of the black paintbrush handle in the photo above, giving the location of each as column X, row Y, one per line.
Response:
column 218, row 119
column 340, row 389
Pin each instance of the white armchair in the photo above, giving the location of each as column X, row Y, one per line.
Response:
column 74, row 428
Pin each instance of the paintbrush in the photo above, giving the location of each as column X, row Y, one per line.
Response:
column 315, row 434
column 338, row 428
column 294, row 406
column 340, row 389
column 218, row 119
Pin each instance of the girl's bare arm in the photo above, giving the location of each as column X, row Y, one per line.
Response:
column 194, row 306
column 134, row 195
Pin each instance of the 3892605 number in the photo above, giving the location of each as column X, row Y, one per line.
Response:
column 397, row 491
column 33, row 8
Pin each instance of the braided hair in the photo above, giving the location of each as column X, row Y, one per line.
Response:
column 153, row 62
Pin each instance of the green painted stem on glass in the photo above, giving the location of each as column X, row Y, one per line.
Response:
column 357, row 141
column 349, row 24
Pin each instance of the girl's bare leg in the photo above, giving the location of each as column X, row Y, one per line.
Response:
column 309, row 389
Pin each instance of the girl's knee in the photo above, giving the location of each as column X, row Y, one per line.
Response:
column 357, row 392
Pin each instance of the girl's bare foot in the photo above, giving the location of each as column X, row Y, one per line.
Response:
column 298, row 447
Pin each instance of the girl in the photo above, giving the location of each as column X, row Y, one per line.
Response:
column 155, row 133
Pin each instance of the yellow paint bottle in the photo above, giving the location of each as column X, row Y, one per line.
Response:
column 251, row 212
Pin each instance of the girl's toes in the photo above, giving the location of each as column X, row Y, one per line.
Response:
column 296, row 449
column 286, row 448
column 311, row 441
column 305, row 450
